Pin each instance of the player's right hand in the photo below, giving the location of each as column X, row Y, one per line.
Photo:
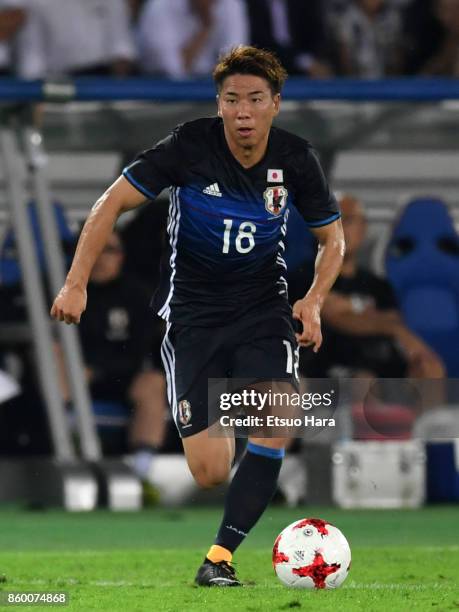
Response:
column 307, row 311
column 69, row 304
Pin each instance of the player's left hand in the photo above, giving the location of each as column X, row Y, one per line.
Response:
column 307, row 310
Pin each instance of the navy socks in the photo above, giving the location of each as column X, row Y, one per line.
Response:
column 249, row 493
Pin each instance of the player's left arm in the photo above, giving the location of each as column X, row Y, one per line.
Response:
column 327, row 266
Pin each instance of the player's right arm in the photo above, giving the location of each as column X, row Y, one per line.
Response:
column 70, row 302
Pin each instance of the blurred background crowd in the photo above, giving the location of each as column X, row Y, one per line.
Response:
column 182, row 38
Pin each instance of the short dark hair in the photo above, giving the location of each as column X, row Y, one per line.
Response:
column 254, row 61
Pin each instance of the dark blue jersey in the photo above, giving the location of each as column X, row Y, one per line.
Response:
column 227, row 224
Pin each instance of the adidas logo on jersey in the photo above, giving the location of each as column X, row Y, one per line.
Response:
column 213, row 190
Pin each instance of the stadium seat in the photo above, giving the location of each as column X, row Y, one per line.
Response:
column 422, row 264
column 10, row 271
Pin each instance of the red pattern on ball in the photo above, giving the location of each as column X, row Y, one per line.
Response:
column 319, row 524
column 318, row 570
column 278, row 557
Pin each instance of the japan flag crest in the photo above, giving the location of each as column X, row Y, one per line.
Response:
column 275, row 199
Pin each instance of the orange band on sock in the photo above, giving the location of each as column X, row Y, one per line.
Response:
column 218, row 553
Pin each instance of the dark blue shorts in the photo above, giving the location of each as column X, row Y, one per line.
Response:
column 254, row 350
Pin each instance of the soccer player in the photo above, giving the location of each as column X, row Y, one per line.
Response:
column 223, row 293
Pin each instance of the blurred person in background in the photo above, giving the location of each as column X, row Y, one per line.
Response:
column 12, row 18
column 117, row 336
column 364, row 334
column 369, row 39
column 422, row 34
column 183, row 38
column 145, row 240
column 444, row 60
column 295, row 30
column 64, row 37
column 135, row 7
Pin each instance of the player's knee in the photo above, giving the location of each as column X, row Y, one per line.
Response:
column 208, row 476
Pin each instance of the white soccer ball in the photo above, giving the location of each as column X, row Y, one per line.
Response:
column 311, row 554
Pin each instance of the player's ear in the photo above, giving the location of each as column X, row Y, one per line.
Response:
column 219, row 112
column 276, row 100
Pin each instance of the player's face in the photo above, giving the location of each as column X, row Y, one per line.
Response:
column 247, row 107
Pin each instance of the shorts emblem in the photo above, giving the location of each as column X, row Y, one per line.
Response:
column 184, row 409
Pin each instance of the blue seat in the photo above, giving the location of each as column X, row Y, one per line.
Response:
column 10, row 270
column 422, row 264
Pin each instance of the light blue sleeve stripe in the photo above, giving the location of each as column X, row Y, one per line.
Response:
column 138, row 186
column 323, row 221
column 264, row 451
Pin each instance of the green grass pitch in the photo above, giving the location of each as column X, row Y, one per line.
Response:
column 402, row 560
